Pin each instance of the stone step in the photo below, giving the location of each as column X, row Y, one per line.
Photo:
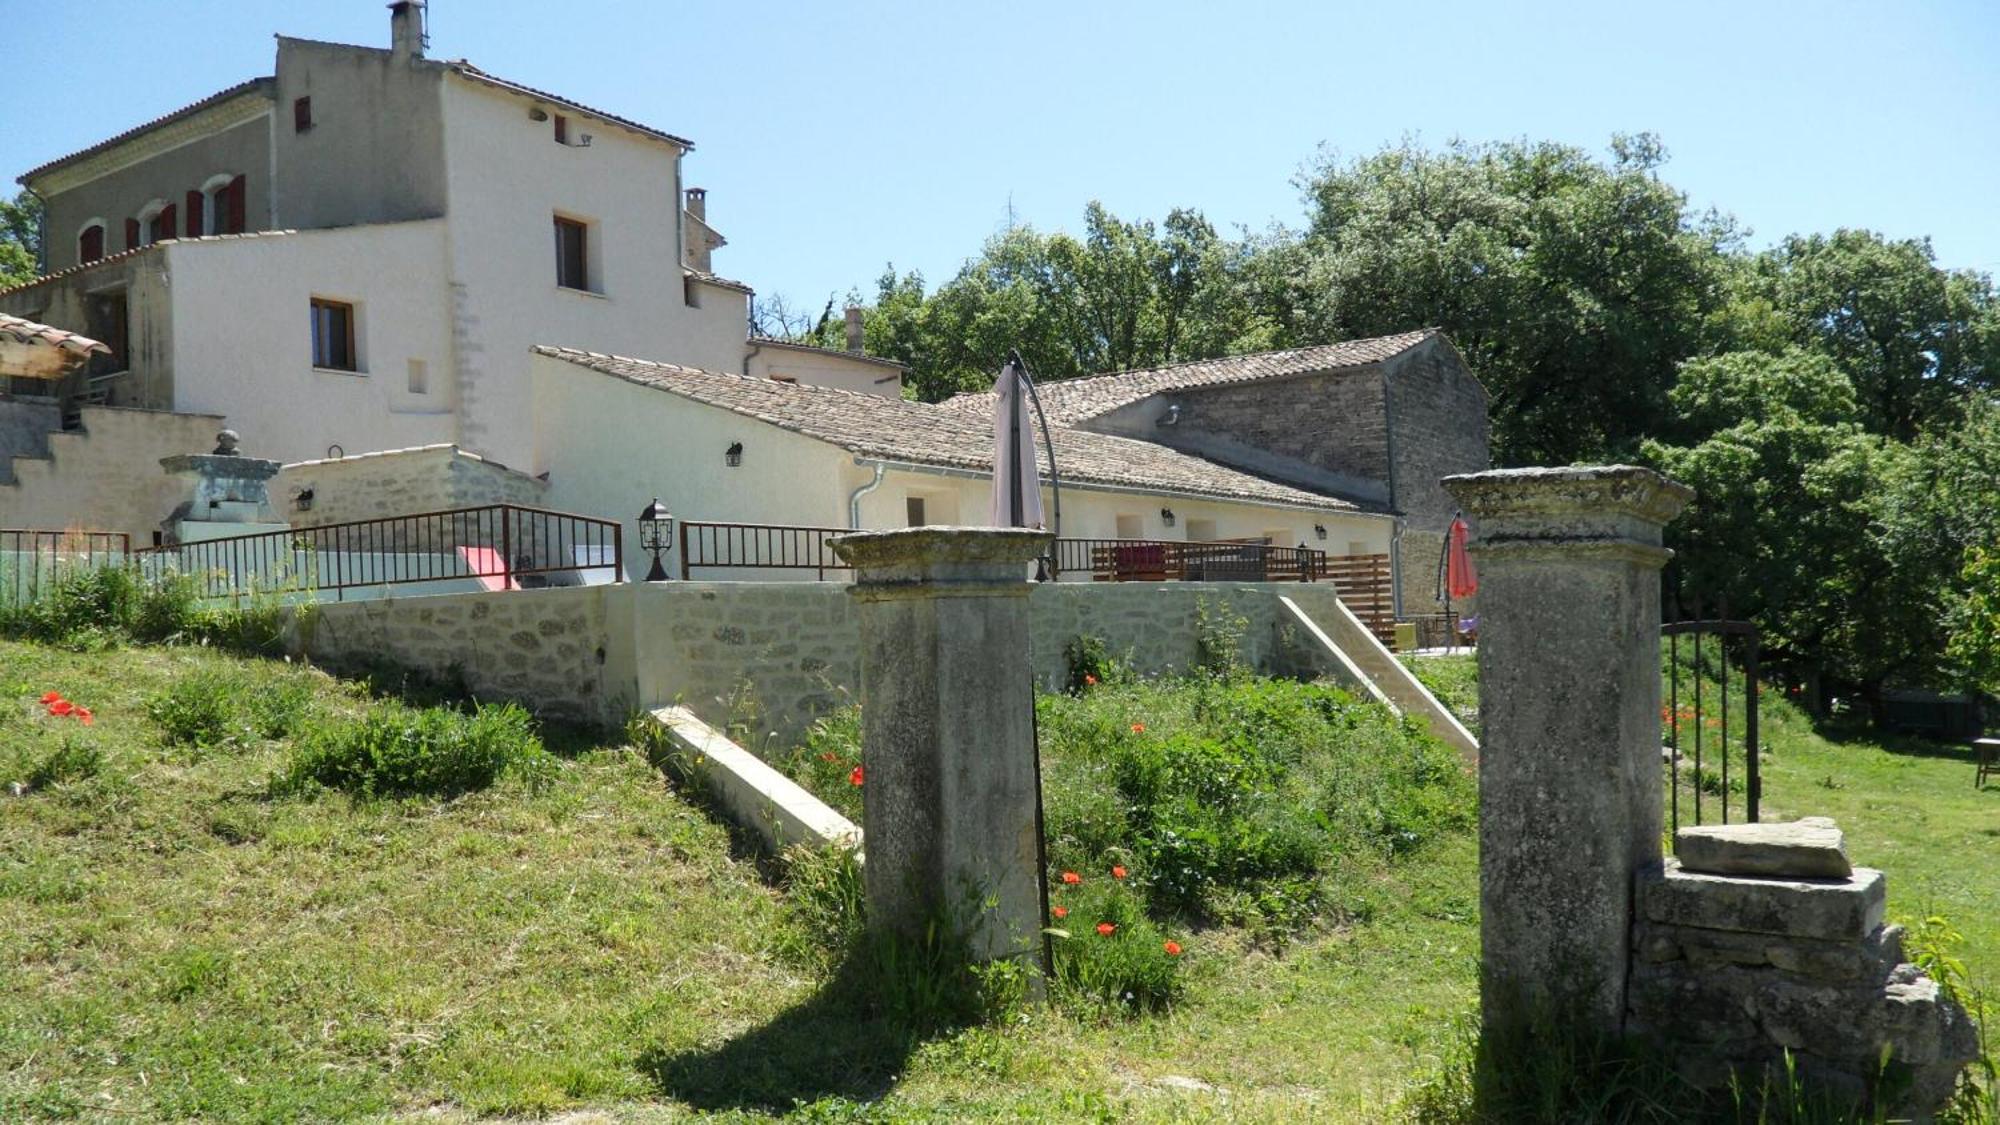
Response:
column 1827, row 909
column 1811, row 848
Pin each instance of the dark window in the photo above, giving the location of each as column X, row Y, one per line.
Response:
column 914, row 508
column 196, row 204
column 562, row 129
column 333, row 335
column 90, row 244
column 162, row 226
column 107, row 319
column 572, row 254
column 302, row 115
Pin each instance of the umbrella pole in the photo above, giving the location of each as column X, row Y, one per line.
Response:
column 1055, row 478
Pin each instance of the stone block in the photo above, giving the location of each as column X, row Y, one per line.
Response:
column 1828, row 909
column 1812, row 848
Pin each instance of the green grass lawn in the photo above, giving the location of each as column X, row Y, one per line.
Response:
column 182, row 944
column 181, row 941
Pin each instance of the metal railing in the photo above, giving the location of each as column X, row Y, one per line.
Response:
column 758, row 546
column 31, row 557
column 1164, row 560
column 501, row 546
column 1696, row 718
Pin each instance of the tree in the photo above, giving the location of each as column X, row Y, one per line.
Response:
column 1574, row 287
column 1914, row 339
column 20, row 239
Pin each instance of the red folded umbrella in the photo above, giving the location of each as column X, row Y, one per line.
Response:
column 1459, row 578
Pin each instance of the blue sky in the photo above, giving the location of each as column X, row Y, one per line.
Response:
column 834, row 139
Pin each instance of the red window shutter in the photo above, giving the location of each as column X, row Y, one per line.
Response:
column 193, row 225
column 163, row 227
column 237, row 192
column 131, row 233
column 90, row 246
column 562, row 129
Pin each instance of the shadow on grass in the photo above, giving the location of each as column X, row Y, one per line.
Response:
column 1892, row 742
column 836, row 1044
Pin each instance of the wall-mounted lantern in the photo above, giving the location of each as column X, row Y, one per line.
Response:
column 1319, row 532
column 1167, row 516
column 733, row 456
column 303, row 499
column 656, row 534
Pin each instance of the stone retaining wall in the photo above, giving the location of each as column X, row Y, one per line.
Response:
column 769, row 655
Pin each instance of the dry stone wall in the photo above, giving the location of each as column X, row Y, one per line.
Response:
column 399, row 482
column 769, row 656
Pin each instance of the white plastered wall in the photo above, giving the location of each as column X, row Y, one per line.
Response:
column 242, row 337
column 506, row 180
column 824, row 369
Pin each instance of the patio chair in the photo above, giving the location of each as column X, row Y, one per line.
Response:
column 1986, row 751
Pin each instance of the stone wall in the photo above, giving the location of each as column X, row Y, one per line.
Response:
column 771, row 656
column 1761, row 940
column 563, row 653
column 107, row 475
column 1437, row 427
column 25, row 426
column 1333, row 420
column 399, row 482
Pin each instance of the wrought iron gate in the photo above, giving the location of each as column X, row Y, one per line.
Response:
column 1697, row 719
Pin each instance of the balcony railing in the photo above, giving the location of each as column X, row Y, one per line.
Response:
column 758, row 546
column 498, row 546
column 31, row 558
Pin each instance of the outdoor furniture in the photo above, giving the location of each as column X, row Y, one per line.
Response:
column 1129, row 562
column 1987, row 752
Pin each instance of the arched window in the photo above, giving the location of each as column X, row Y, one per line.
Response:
column 217, row 206
column 155, row 223
column 90, row 242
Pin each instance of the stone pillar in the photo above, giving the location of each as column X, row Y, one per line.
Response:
column 1569, row 769
column 947, row 732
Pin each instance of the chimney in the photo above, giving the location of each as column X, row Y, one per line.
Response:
column 854, row 337
column 406, row 29
column 697, row 204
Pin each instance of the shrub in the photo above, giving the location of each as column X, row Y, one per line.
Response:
column 1218, row 639
column 1090, row 663
column 97, row 606
column 1128, row 969
column 398, row 751
column 68, row 760
column 825, row 764
column 199, row 709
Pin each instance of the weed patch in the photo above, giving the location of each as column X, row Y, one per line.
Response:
column 401, row 751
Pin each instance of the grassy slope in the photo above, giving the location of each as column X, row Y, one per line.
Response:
column 178, row 946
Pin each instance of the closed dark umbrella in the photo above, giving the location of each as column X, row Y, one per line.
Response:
column 1017, row 488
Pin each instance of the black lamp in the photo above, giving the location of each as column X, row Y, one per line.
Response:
column 656, row 534
column 1319, row 531
column 1167, row 516
column 734, row 454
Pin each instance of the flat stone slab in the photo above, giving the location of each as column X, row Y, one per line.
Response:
column 1811, row 848
column 1828, row 909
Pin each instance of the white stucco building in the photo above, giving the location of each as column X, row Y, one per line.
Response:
column 356, row 252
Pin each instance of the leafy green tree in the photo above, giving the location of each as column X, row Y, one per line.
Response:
column 1915, row 339
column 20, row 239
column 1574, row 287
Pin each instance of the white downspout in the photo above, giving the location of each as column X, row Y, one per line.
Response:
column 854, row 498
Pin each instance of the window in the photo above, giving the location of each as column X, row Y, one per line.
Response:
column 162, row 226
column 90, row 244
column 107, row 318
column 221, row 201
column 420, row 378
column 333, row 335
column 153, row 224
column 302, row 115
column 691, row 292
column 914, row 508
column 572, row 254
column 562, row 129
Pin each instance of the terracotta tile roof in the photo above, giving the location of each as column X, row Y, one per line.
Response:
column 712, row 279
column 857, row 357
column 146, row 249
column 24, row 331
column 926, row 434
column 461, row 66
column 261, row 85
column 1077, row 400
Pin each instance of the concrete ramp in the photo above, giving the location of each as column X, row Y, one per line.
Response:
column 754, row 794
column 1376, row 671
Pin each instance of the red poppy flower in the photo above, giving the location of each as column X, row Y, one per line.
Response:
column 83, row 713
column 1059, row 911
column 1106, row 929
column 1071, row 878
column 1173, row 948
column 51, row 696
column 854, row 776
column 61, row 707
column 1089, row 680
column 1118, row 871
column 1138, row 728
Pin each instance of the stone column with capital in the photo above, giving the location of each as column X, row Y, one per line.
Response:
column 947, row 732
column 1569, row 772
